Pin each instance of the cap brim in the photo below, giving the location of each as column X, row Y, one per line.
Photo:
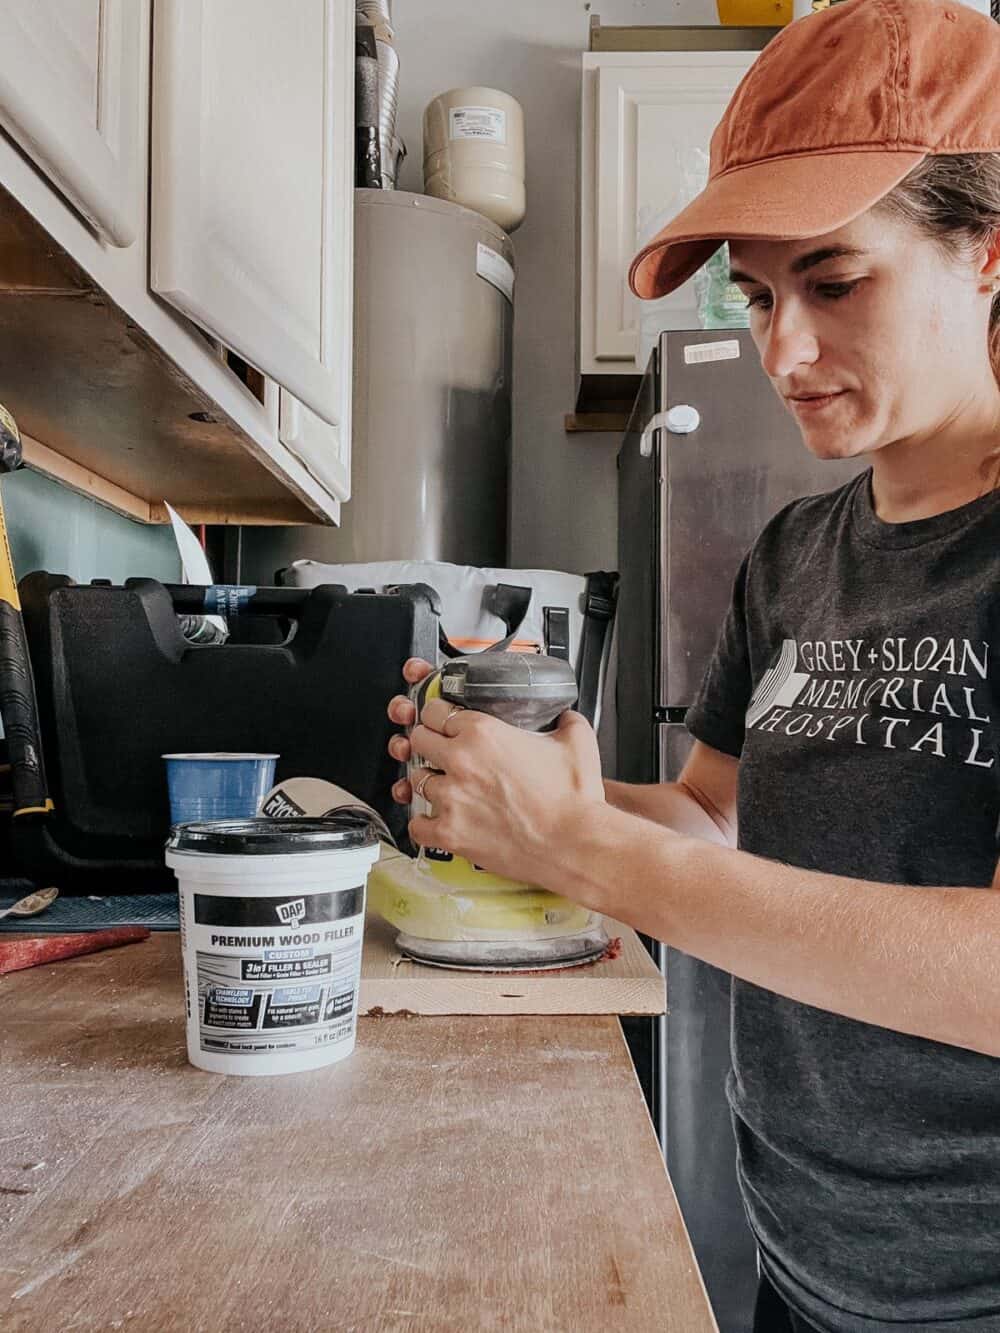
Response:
column 789, row 198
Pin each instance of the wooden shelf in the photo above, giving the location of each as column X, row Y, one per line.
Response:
column 677, row 37
column 603, row 404
column 105, row 411
column 578, row 423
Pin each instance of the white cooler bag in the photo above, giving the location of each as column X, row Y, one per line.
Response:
column 565, row 615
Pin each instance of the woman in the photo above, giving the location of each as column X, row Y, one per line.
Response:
column 847, row 718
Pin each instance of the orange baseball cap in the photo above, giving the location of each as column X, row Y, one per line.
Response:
column 832, row 115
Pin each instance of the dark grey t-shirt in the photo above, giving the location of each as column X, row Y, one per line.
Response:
column 856, row 677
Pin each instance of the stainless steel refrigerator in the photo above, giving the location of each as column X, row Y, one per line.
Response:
column 710, row 454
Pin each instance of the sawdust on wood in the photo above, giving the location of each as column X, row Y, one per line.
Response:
column 609, row 955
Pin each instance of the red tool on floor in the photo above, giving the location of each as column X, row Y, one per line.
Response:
column 16, row 954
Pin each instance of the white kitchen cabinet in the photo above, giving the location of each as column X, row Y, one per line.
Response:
column 645, row 118
column 251, row 240
column 322, row 449
column 252, row 197
column 71, row 76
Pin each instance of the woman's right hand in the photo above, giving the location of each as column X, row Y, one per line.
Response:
column 403, row 712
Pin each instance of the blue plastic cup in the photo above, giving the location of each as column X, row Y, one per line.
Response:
column 217, row 786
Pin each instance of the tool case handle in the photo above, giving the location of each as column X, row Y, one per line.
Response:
column 225, row 599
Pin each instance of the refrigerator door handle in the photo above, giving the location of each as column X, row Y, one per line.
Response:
column 681, row 419
column 654, row 424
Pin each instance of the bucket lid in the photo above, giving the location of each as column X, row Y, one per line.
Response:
column 342, row 831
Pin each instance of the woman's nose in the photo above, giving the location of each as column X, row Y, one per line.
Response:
column 790, row 344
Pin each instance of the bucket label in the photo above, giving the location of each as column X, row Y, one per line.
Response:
column 275, row 975
column 478, row 122
column 287, row 911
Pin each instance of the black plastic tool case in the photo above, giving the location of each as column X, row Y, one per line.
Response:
column 118, row 686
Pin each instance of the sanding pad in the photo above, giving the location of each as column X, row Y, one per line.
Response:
column 506, row 955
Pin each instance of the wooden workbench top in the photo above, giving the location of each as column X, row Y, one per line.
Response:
column 456, row 1175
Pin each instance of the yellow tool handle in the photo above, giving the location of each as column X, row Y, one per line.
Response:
column 18, row 706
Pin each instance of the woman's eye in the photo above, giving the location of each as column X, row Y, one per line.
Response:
column 833, row 291
column 830, row 291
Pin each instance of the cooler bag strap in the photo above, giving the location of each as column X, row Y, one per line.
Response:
column 445, row 646
column 556, row 628
column 600, row 599
column 509, row 604
column 506, row 601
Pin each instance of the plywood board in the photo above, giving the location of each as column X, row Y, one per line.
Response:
column 79, row 479
column 454, row 1174
column 628, row 984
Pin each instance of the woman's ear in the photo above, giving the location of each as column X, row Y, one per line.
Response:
column 990, row 271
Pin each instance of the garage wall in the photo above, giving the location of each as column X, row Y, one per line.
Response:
column 53, row 528
column 563, row 504
column 563, row 500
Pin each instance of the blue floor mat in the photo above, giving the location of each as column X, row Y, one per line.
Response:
column 157, row 911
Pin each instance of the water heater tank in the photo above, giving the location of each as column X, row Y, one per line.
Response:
column 433, row 316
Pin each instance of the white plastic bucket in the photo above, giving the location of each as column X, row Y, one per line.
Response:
column 272, row 926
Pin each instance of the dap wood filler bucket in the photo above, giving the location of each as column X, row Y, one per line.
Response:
column 272, row 924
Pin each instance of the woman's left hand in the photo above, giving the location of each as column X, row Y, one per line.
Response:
column 503, row 797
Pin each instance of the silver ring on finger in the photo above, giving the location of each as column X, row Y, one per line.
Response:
column 418, row 787
column 454, row 713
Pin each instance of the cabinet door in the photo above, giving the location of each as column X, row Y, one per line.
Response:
column 322, row 449
column 70, row 79
column 252, row 206
column 650, row 114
